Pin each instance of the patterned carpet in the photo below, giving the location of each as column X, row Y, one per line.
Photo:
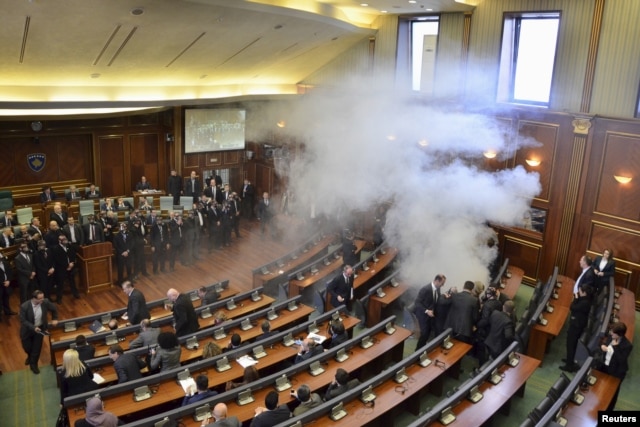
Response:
column 29, row 400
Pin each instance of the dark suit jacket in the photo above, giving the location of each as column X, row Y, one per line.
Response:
column 43, row 196
column 463, row 313
column 3, row 222
column 271, row 418
column 248, row 192
column 27, row 317
column 501, row 332
column 137, row 307
column 588, row 278
column 185, row 316
column 42, row 263
column 3, row 243
column 157, row 238
column 265, row 212
column 51, row 237
column 425, row 301
column 88, row 195
column 579, row 315
column 60, row 219
column 143, row 186
column 619, row 363
column 126, row 206
column 73, row 196
column 25, row 268
column 227, row 422
column 219, row 197
column 33, row 230
column 609, row 270
column 86, row 352
column 121, row 245
column 6, row 273
column 98, row 235
column 189, row 191
column 78, row 232
column 188, row 400
column 341, row 286
column 61, row 259
column 128, row 367
column 174, row 185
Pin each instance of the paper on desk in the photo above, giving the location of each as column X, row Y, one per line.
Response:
column 245, row 361
column 97, row 378
column 189, row 385
column 319, row 339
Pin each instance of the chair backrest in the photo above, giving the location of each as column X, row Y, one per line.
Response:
column 187, row 202
column 24, row 215
column 6, row 200
column 166, row 203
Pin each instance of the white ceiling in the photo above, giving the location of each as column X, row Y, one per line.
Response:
column 101, row 53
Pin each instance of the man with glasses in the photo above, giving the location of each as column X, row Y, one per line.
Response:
column 34, row 324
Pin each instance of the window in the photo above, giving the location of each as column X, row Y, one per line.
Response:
column 529, row 44
column 417, row 44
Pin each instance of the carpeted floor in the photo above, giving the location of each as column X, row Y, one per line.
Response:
column 29, row 400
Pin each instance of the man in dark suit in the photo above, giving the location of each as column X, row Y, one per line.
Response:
column 85, row 350
column 8, row 220
column 214, row 193
column 350, row 254
column 92, row 232
column 73, row 194
column 184, row 315
column 52, row 235
column 174, row 186
column 501, row 330
column 126, row 365
column 26, row 272
column 5, row 282
column 221, row 418
column 122, row 244
column 248, row 199
column 143, row 184
column 214, row 223
column 123, row 205
column 604, row 267
column 92, row 193
column 193, row 187
column 35, row 227
column 425, row 308
column 159, row 244
column 43, row 261
column 64, row 262
column 176, row 238
column 201, row 392
column 47, row 194
column 272, row 414
column 578, row 319
column 265, row 213
column 136, row 306
column 74, row 233
column 58, row 215
column 587, row 275
column 341, row 288
column 34, row 315
column 7, row 238
column 463, row 313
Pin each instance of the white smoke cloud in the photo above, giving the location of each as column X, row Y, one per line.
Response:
column 361, row 148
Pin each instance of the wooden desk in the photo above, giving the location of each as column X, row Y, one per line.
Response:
column 565, row 293
column 147, row 193
column 596, row 398
column 627, row 312
column 496, row 396
column 169, row 390
column 359, row 359
column 378, row 304
column 541, row 336
column 296, row 287
column 393, row 398
column 512, row 284
column 292, row 264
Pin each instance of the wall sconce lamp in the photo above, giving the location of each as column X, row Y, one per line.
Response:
column 622, row 179
column 533, row 162
column 281, row 124
column 490, row 154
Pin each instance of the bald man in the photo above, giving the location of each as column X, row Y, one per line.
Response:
column 184, row 315
column 220, row 417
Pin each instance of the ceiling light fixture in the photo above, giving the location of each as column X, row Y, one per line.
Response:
column 137, row 11
column 622, row 179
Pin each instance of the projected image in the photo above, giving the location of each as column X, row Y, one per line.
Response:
column 214, row 130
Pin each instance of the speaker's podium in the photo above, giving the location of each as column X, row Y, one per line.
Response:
column 96, row 272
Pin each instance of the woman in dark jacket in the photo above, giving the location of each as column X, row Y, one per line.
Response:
column 76, row 378
column 616, row 357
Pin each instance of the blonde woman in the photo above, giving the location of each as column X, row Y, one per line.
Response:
column 76, row 378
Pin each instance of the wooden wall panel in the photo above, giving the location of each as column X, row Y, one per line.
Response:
column 625, row 243
column 111, row 165
column 621, row 157
column 144, row 158
column 74, row 157
column 525, row 255
column 541, row 139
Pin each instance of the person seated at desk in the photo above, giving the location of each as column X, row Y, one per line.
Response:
column 272, row 414
column 340, row 384
column 23, row 232
column 85, row 350
column 616, row 351
column 250, row 375
column 148, row 335
column 201, row 391
column 338, row 334
column 107, row 205
column 143, row 184
column 236, row 341
column 7, row 239
column 144, row 205
column 127, row 365
column 92, row 193
column 75, row 377
column 167, row 355
column 47, row 194
column 123, row 205
column 307, row 400
column 266, row 330
column 308, row 349
column 73, row 194
column 220, row 416
column 8, row 220
column 96, row 416
column 207, row 296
